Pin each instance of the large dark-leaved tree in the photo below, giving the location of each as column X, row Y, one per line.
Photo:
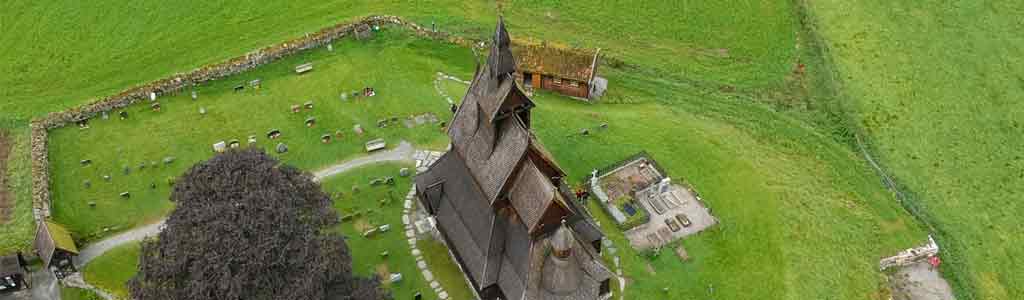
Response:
column 247, row 227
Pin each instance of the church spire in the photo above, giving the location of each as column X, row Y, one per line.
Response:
column 500, row 61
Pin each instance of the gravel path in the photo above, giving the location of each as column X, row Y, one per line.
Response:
column 45, row 285
column 404, row 151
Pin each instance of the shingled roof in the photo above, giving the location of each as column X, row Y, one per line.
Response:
column 559, row 61
column 498, row 193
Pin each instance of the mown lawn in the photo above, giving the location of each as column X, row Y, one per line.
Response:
column 112, row 270
column 366, row 251
column 936, row 86
column 16, row 234
column 69, row 293
column 399, row 67
column 791, row 201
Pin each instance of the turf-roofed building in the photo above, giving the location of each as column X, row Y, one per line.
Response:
column 500, row 202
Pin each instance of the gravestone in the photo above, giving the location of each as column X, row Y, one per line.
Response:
column 152, row 186
column 308, row 105
column 152, row 96
column 256, row 83
column 106, row 178
column 310, row 122
column 202, row 111
column 123, row 115
column 252, row 140
column 355, row 189
column 382, row 123
column 375, row 145
column 376, row 181
column 384, row 254
column 404, row 172
column 126, row 195
column 92, row 203
column 194, row 95
column 220, row 147
column 239, row 88
column 604, row 125
column 358, row 129
column 273, row 134
column 87, row 183
column 326, row 138
column 155, row 106
column 234, row 144
column 296, row 108
column 105, row 115
column 86, row 162
column 384, row 228
column 281, row 148
column 344, row 96
column 142, row 166
column 395, row 277
column 339, row 134
column 330, row 47
column 168, row 160
column 389, row 180
column 585, row 131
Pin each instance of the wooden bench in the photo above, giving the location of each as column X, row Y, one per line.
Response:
column 303, row 68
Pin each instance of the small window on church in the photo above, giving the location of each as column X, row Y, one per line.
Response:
column 573, row 83
column 558, row 81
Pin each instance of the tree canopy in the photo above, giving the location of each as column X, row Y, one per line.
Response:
column 247, row 227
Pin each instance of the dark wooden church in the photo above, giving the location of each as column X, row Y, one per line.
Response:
column 500, row 200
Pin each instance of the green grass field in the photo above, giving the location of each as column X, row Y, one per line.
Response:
column 708, row 88
column 366, row 251
column 399, row 67
column 936, row 86
column 111, row 271
column 69, row 293
column 795, row 183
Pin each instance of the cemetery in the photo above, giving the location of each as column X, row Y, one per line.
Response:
column 109, row 175
column 644, row 201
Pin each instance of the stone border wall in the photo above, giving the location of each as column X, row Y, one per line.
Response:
column 180, row 81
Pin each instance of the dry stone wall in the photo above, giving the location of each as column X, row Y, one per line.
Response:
column 180, row 81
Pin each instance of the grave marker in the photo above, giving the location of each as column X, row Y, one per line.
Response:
column 296, row 108
column 123, row 115
column 202, row 111
column 106, row 178
column 155, row 106
column 326, row 138
column 310, row 122
column 194, row 95
column 105, row 115
column 86, row 162
column 303, row 68
column 219, row 147
column 152, row 96
column 87, row 183
column 126, row 195
column 281, row 148
column 168, row 160
column 273, row 134
column 239, row 88
column 252, row 140
column 256, row 83
column 234, row 144
column 308, row 105
column 358, row 129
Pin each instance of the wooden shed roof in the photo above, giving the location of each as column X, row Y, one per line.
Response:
column 555, row 60
column 51, row 236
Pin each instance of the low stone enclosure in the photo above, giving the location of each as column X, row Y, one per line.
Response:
column 646, row 205
column 179, row 82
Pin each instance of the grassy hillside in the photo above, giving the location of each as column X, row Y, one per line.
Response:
column 61, row 53
column 937, row 88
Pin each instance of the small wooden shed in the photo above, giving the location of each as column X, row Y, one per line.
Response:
column 568, row 71
column 56, row 248
column 13, row 273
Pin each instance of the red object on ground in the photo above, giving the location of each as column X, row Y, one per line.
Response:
column 934, row 261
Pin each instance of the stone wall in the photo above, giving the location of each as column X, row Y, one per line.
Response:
column 180, row 81
column 910, row 256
